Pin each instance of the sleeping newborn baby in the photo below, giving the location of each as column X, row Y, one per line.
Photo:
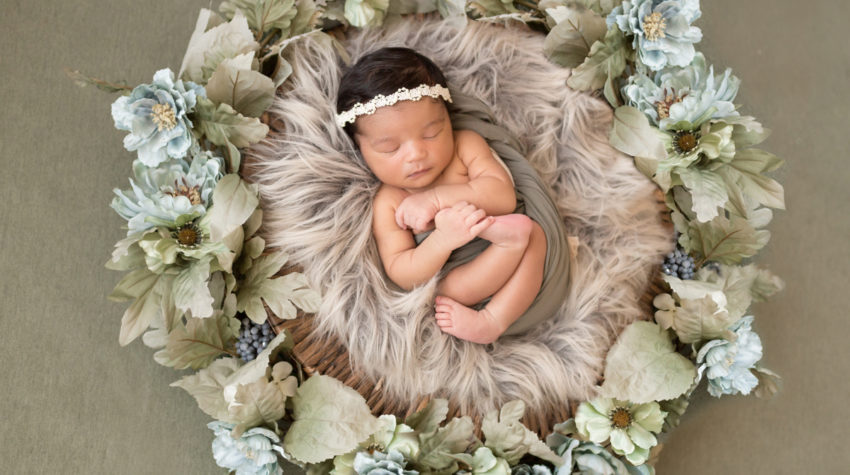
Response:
column 441, row 189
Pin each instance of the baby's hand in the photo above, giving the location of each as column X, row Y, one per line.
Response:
column 416, row 211
column 460, row 224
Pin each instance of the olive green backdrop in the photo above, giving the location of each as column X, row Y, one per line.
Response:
column 73, row 401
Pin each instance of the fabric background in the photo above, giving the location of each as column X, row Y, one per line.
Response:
column 73, row 401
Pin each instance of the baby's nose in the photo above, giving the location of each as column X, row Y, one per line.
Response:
column 417, row 150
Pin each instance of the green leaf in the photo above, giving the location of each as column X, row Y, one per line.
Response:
column 191, row 293
column 643, row 366
column 631, row 133
column 234, row 201
column 742, row 285
column 429, row 418
column 607, row 59
column 207, row 386
column 746, row 171
column 725, row 240
column 306, row 18
column 747, row 132
column 133, row 285
column 281, row 294
column 256, row 368
column 197, row 343
column 509, row 439
column 330, row 419
column 487, row 8
column 769, row 382
column 222, row 125
column 694, row 319
column 141, row 313
column 455, row 437
column 262, row 401
column 127, row 255
column 675, row 409
column 249, row 92
column 208, row 47
column 576, row 29
column 262, row 15
column 708, row 191
column 82, row 80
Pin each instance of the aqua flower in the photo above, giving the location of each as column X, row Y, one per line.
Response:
column 728, row 364
column 583, row 457
column 254, row 453
column 379, row 463
column 362, row 13
column 161, row 196
column 156, row 116
column 692, row 95
column 629, row 426
column 662, row 31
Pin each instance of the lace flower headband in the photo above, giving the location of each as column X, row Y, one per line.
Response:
column 403, row 94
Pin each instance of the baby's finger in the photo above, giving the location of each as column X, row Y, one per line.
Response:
column 460, row 205
column 475, row 217
column 485, row 223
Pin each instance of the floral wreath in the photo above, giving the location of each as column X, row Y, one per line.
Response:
column 200, row 278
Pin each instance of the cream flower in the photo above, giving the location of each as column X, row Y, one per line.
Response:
column 630, row 427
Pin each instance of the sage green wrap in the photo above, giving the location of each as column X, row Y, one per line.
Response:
column 533, row 200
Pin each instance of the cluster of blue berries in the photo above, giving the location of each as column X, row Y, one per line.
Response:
column 679, row 264
column 253, row 339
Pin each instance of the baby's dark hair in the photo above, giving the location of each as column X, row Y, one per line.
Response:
column 385, row 71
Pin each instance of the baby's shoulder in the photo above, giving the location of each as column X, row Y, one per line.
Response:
column 389, row 196
column 465, row 138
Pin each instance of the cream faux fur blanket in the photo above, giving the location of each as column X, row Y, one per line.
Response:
column 317, row 196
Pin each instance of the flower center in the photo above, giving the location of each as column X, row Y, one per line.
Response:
column 621, row 417
column 653, row 26
column 163, row 116
column 191, row 192
column 188, row 235
column 663, row 106
column 686, row 141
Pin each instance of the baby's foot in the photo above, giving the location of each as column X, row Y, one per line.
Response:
column 510, row 231
column 465, row 323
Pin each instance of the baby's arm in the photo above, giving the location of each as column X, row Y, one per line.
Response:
column 489, row 186
column 407, row 264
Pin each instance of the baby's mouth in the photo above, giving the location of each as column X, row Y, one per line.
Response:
column 419, row 173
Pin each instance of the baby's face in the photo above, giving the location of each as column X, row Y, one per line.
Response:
column 407, row 145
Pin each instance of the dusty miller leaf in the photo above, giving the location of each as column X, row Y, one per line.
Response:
column 436, row 450
column 191, row 292
column 263, row 400
column 330, row 419
column 509, row 439
column 429, row 418
column 643, row 366
column 708, row 191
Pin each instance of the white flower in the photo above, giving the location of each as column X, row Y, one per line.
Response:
column 629, row 426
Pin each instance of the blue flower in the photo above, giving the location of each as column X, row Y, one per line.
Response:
column 379, row 463
column 156, row 116
column 163, row 195
column 252, row 454
column 662, row 30
column 693, row 94
column 728, row 364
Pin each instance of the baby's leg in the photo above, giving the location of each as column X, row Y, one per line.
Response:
column 507, row 304
column 488, row 272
